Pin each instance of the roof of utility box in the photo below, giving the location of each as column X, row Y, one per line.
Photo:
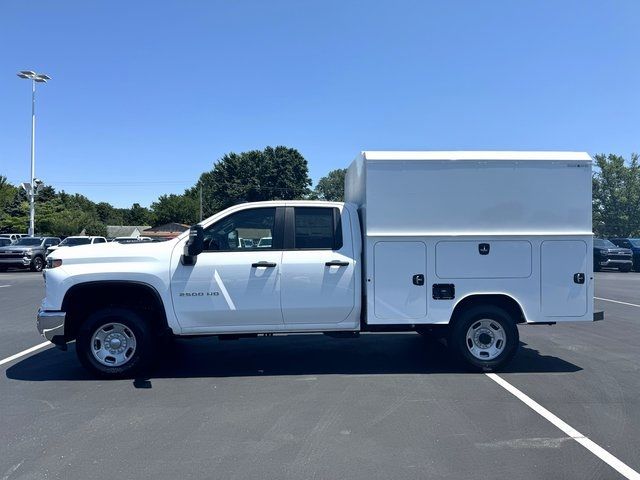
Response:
column 476, row 155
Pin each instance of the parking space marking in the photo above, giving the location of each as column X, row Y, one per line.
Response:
column 617, row 301
column 25, row 352
column 3, row 286
column 621, row 467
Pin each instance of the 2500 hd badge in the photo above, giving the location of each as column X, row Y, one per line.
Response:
column 199, row 294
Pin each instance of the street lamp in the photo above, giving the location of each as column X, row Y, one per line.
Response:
column 32, row 190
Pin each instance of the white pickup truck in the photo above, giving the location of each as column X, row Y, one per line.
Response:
column 466, row 245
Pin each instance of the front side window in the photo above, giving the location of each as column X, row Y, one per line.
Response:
column 314, row 228
column 244, row 230
column 99, row 240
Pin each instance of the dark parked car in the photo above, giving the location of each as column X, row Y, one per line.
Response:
column 608, row 255
column 27, row 252
column 632, row 244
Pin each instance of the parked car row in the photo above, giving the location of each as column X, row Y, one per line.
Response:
column 21, row 251
column 27, row 252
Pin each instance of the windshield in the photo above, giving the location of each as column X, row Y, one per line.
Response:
column 4, row 241
column 635, row 242
column 599, row 242
column 70, row 242
column 30, row 241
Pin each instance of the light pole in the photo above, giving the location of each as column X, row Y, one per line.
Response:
column 31, row 191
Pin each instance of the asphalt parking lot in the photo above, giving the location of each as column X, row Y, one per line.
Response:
column 381, row 406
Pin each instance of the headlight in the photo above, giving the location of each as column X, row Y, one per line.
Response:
column 51, row 263
column 27, row 253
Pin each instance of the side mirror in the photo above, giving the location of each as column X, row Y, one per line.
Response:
column 194, row 246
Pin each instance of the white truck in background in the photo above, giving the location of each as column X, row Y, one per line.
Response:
column 464, row 244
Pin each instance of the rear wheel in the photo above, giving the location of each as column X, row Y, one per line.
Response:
column 625, row 269
column 485, row 337
column 115, row 343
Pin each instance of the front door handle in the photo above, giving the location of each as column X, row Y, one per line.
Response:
column 263, row 264
column 336, row 263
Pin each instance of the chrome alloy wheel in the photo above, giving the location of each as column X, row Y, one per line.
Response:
column 113, row 344
column 486, row 339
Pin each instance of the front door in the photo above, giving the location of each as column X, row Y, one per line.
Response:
column 236, row 280
column 318, row 268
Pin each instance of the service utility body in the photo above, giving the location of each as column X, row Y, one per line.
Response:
column 460, row 245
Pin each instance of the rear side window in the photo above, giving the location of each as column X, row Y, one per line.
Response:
column 99, row 240
column 317, row 228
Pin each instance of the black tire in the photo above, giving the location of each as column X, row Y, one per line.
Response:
column 625, row 269
column 473, row 316
column 597, row 268
column 3, row 268
column 37, row 264
column 136, row 325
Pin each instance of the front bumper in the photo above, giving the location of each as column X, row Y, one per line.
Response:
column 611, row 263
column 51, row 326
column 23, row 262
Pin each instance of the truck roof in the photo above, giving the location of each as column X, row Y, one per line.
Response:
column 476, row 155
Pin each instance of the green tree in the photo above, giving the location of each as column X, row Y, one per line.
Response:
column 175, row 208
column 616, row 196
column 331, row 186
column 271, row 174
column 138, row 215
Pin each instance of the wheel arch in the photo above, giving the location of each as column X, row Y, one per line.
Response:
column 502, row 300
column 86, row 297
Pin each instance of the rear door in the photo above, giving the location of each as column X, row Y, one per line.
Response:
column 564, row 278
column 318, row 270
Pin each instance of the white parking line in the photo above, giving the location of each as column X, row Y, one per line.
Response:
column 25, row 352
column 3, row 286
column 622, row 468
column 617, row 301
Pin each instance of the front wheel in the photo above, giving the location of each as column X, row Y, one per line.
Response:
column 115, row 343
column 37, row 264
column 485, row 337
column 625, row 269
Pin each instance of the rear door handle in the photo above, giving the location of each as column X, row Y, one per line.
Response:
column 263, row 264
column 336, row 263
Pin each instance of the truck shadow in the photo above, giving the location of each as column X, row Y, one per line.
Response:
column 371, row 354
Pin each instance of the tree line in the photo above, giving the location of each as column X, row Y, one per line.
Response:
column 276, row 173
column 270, row 174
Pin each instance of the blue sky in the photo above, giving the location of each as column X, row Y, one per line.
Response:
column 148, row 94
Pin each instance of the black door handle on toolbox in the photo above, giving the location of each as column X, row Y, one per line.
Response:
column 263, row 264
column 336, row 263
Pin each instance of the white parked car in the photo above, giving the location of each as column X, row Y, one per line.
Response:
column 131, row 239
column 76, row 241
column 468, row 245
column 14, row 237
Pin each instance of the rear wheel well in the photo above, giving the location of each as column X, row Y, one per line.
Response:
column 499, row 300
column 85, row 298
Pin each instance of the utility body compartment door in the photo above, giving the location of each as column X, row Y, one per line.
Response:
column 564, row 278
column 400, row 294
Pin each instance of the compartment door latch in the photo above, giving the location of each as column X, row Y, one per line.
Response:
column 418, row 279
column 578, row 278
